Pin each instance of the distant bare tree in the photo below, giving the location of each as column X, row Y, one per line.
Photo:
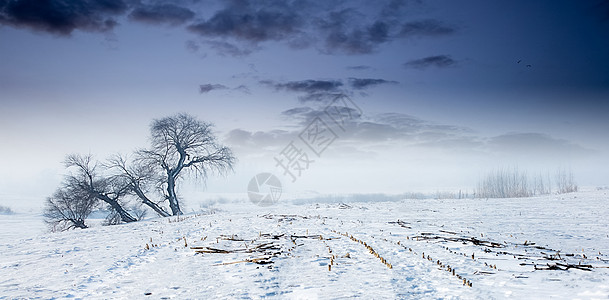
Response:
column 540, row 186
column 68, row 208
column 514, row 183
column 181, row 145
column 86, row 179
column 565, row 182
column 505, row 184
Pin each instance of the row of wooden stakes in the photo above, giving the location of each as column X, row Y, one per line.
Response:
column 473, row 257
column 148, row 247
column 372, row 251
column 442, row 265
column 151, row 245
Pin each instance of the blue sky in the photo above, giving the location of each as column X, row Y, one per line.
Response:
column 447, row 91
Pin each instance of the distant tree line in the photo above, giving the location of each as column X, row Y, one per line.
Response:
column 514, row 183
column 180, row 146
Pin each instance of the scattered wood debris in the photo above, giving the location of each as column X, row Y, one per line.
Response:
column 564, row 267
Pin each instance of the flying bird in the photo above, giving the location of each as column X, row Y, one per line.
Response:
column 519, row 61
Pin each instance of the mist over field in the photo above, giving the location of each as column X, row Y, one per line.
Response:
column 304, row 127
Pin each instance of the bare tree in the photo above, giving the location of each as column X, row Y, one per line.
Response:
column 514, row 183
column 86, row 179
column 505, row 183
column 565, row 182
column 540, row 186
column 139, row 177
column 181, row 145
column 68, row 208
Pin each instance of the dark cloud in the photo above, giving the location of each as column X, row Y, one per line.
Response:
column 340, row 110
column 425, row 28
column 376, row 131
column 340, row 28
column 314, row 90
column 238, row 27
column 359, row 68
column 324, row 91
column 440, row 61
column 345, row 33
column 208, row 87
column 242, row 88
column 396, row 9
column 162, row 14
column 382, row 127
column 350, row 31
column 245, row 22
column 305, row 115
column 412, row 130
column 393, row 7
column 400, row 121
column 302, row 115
column 225, row 48
column 62, row 17
column 310, row 86
column 378, row 32
column 364, row 83
column 297, row 111
column 352, row 42
column 192, row 46
column 391, row 128
column 401, row 131
column 319, row 97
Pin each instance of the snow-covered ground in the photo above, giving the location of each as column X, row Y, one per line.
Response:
column 504, row 248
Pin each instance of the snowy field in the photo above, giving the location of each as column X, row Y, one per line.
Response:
column 544, row 247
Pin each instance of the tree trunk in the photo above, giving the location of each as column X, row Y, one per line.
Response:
column 172, row 174
column 159, row 210
column 79, row 223
column 172, row 197
column 125, row 216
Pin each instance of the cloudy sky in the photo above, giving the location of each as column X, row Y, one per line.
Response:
column 430, row 94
